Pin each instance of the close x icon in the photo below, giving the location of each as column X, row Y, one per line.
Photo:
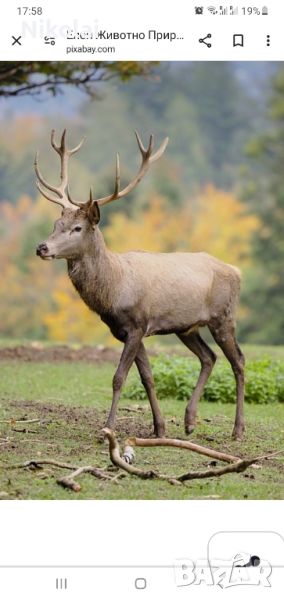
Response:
column 16, row 40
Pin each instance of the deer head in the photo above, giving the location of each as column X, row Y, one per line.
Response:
column 73, row 232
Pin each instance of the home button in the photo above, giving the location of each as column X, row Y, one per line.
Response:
column 140, row 583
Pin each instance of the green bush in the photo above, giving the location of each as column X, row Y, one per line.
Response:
column 175, row 377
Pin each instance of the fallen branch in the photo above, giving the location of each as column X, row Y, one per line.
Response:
column 24, row 430
column 68, row 481
column 236, row 467
column 145, row 442
column 18, row 440
column 269, row 456
column 37, row 464
column 22, row 421
column 114, row 452
column 139, row 409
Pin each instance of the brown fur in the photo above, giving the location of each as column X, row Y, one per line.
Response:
column 138, row 294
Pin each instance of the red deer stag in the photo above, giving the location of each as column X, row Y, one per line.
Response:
column 138, row 294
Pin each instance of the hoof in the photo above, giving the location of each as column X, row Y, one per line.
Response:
column 159, row 432
column 238, row 434
column 238, row 437
column 189, row 429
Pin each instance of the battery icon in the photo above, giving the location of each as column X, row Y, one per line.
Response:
column 265, row 10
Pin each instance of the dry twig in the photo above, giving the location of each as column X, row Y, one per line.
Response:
column 68, row 481
column 182, row 444
column 236, row 467
column 21, row 421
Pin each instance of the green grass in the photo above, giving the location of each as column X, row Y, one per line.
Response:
column 72, row 401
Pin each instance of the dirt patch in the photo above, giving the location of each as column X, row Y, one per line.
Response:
column 37, row 353
column 72, row 434
column 89, row 420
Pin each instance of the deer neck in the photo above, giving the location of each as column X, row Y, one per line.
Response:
column 96, row 274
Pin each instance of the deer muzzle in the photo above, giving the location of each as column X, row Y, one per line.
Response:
column 43, row 251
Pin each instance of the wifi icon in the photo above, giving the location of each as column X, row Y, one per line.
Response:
column 212, row 9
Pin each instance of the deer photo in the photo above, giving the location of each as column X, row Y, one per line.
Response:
column 140, row 294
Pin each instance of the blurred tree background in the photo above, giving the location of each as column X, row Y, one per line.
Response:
column 219, row 188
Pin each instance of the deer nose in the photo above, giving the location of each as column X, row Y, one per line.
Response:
column 41, row 249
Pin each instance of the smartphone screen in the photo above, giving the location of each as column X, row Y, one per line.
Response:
column 141, row 300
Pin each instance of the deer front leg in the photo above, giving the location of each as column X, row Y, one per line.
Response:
column 130, row 350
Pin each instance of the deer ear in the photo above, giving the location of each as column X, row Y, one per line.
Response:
column 94, row 214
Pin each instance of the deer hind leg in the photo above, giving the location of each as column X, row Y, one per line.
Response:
column 224, row 335
column 129, row 353
column 146, row 376
column 207, row 358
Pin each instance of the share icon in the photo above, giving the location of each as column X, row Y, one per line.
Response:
column 203, row 40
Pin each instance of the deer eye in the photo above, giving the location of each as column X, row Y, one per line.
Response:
column 77, row 228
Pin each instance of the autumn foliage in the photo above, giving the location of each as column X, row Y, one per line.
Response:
column 214, row 222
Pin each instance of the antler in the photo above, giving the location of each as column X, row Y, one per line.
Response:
column 60, row 195
column 147, row 159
